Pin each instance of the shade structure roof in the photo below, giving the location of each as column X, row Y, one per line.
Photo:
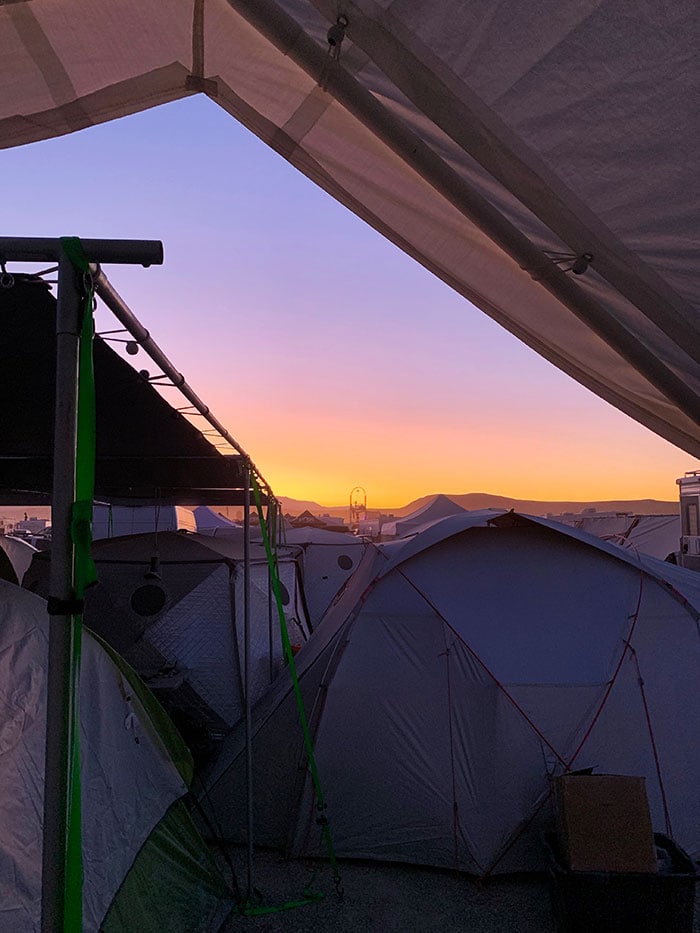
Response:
column 494, row 143
column 147, row 452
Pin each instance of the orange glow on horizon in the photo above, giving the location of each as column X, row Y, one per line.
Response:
column 316, row 459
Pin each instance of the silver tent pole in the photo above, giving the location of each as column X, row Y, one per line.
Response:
column 248, row 681
column 58, row 692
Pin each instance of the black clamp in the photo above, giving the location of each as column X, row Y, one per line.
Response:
column 65, row 607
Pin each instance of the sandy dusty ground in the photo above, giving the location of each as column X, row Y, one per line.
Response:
column 393, row 899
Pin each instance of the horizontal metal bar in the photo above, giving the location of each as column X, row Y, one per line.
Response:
column 44, row 249
column 138, row 496
column 217, row 471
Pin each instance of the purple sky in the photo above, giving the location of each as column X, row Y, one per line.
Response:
column 334, row 359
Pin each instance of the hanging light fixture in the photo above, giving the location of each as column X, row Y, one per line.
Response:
column 151, row 597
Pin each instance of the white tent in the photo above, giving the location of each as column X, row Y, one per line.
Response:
column 438, row 507
column 114, row 521
column 459, row 671
column 656, row 535
column 145, row 867
column 328, row 560
column 172, row 605
column 539, row 158
column 211, row 522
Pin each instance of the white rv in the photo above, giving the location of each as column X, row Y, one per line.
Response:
column 689, row 487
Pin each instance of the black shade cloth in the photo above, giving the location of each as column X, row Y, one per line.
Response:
column 147, row 452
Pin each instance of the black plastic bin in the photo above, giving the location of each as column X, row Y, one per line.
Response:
column 622, row 902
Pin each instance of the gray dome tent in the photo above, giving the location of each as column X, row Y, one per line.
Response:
column 462, row 669
column 172, row 605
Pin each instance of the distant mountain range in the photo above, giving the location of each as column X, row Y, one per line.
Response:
column 469, row 500
column 485, row 500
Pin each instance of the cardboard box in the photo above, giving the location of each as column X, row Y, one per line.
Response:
column 603, row 823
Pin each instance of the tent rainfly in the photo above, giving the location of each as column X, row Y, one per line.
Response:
column 458, row 672
column 145, row 866
column 540, row 158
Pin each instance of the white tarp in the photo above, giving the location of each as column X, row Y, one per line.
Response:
column 494, row 143
column 656, row 535
column 460, row 670
column 114, row 521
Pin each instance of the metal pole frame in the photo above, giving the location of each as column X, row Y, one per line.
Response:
column 58, row 693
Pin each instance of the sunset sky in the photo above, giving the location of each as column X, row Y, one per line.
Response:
column 333, row 358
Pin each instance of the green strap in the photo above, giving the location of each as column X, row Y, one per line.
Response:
column 289, row 658
column 84, row 574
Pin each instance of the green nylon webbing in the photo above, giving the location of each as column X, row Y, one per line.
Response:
column 289, row 658
column 83, row 575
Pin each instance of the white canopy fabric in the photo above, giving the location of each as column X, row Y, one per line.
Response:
column 211, row 522
column 494, row 143
column 656, row 535
column 113, row 521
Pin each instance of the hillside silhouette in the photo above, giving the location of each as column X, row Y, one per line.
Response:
column 485, row 500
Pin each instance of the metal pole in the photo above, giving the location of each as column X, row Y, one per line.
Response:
column 270, row 627
column 46, row 249
column 58, row 692
column 62, row 553
column 123, row 313
column 247, row 680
